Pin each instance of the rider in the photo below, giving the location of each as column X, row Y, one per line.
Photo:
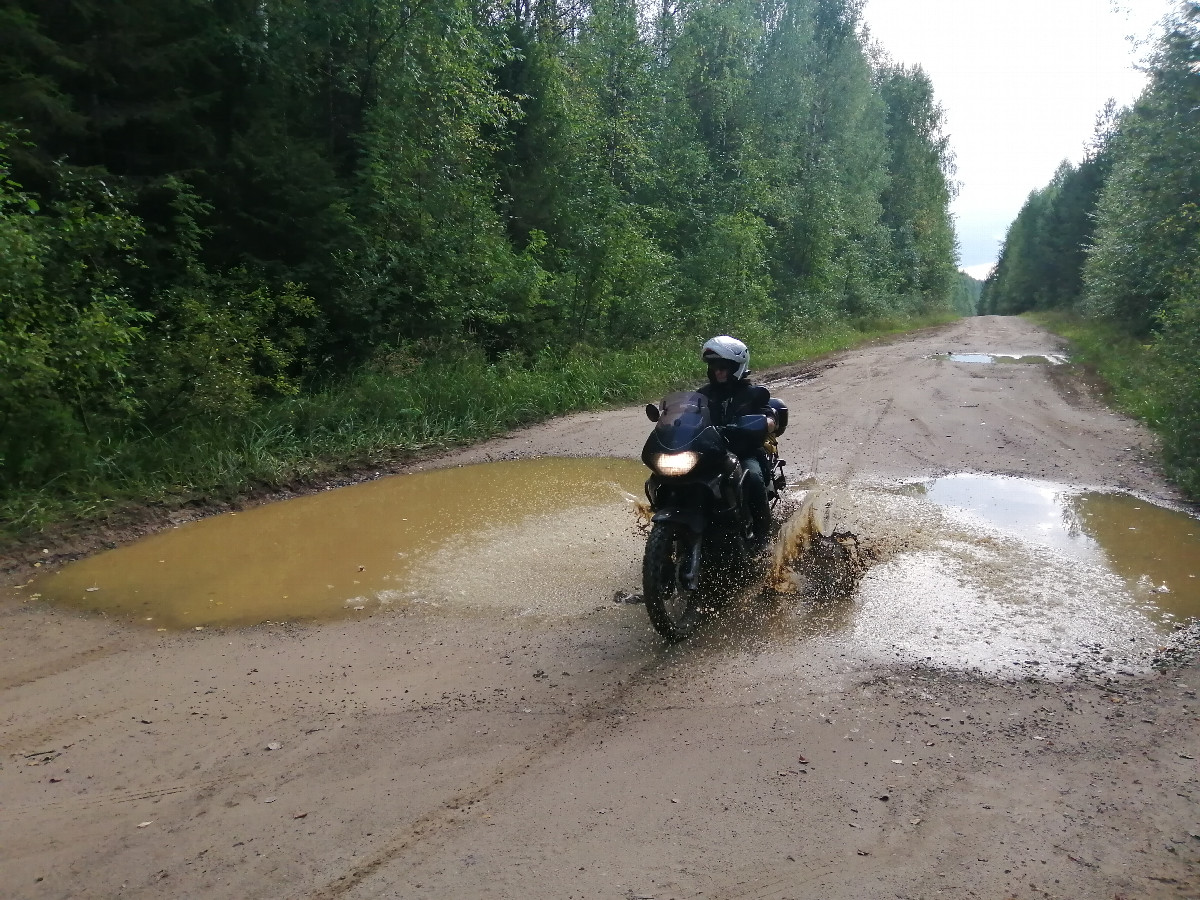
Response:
column 731, row 394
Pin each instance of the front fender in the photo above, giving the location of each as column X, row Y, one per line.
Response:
column 693, row 520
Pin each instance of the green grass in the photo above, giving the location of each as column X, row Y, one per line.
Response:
column 378, row 415
column 1120, row 360
column 1155, row 380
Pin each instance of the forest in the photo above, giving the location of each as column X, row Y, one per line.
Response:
column 1116, row 240
column 229, row 226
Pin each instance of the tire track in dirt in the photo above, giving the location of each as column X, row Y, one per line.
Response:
column 853, row 464
column 19, row 744
column 114, row 797
column 776, row 889
column 421, row 836
column 53, row 667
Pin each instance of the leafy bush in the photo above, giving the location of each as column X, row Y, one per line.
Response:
column 68, row 326
column 1177, row 358
column 92, row 347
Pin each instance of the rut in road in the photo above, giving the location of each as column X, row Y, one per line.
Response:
column 425, row 835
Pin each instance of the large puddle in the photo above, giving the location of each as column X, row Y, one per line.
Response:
column 1156, row 551
column 1010, row 576
column 1001, row 575
column 542, row 535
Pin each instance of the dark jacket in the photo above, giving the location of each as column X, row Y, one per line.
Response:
column 738, row 398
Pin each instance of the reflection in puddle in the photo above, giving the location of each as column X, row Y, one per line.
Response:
column 1155, row 550
column 476, row 534
column 1024, row 577
column 1054, row 359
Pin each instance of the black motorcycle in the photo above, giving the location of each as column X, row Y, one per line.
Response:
column 702, row 534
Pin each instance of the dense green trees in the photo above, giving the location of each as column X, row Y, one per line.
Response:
column 209, row 203
column 917, row 194
column 1118, row 238
column 1147, row 249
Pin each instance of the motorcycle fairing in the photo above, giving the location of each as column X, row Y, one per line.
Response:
column 684, row 414
column 685, row 423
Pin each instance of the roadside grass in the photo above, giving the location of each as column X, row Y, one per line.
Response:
column 394, row 409
column 1153, row 382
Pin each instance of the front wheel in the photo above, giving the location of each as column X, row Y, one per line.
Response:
column 671, row 606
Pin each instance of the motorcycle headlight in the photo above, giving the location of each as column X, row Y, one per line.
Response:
column 676, row 463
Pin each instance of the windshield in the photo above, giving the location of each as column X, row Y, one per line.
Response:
column 684, row 415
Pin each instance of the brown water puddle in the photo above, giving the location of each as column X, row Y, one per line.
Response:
column 522, row 534
column 1022, row 577
column 1001, row 575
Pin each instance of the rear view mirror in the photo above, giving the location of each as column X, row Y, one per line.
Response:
column 652, row 412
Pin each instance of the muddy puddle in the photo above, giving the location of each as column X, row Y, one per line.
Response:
column 1004, row 576
column 1054, row 359
column 1156, row 551
column 531, row 536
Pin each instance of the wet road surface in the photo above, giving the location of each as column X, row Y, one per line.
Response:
column 977, row 572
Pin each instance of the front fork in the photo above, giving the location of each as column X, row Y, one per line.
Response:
column 689, row 570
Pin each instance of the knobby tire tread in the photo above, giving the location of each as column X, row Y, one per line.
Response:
column 658, row 583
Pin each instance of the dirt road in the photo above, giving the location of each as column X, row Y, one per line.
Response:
column 469, row 751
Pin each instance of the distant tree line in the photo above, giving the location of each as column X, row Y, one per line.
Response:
column 205, row 204
column 1117, row 237
column 965, row 294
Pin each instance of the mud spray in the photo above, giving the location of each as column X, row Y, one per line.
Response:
column 815, row 553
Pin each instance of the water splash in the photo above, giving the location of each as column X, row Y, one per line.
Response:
column 642, row 512
column 816, row 552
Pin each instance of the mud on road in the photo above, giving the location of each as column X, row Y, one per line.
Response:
column 482, row 747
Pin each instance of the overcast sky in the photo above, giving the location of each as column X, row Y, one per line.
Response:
column 1021, row 82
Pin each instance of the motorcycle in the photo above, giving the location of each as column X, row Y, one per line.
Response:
column 702, row 533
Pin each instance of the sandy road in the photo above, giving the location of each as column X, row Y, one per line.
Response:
column 468, row 753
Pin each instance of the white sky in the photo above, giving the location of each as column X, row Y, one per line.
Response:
column 1021, row 83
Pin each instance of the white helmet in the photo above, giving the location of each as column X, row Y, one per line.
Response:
column 729, row 349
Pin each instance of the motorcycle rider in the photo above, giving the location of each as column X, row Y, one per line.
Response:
column 731, row 394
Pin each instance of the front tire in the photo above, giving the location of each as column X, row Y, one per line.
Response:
column 672, row 607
